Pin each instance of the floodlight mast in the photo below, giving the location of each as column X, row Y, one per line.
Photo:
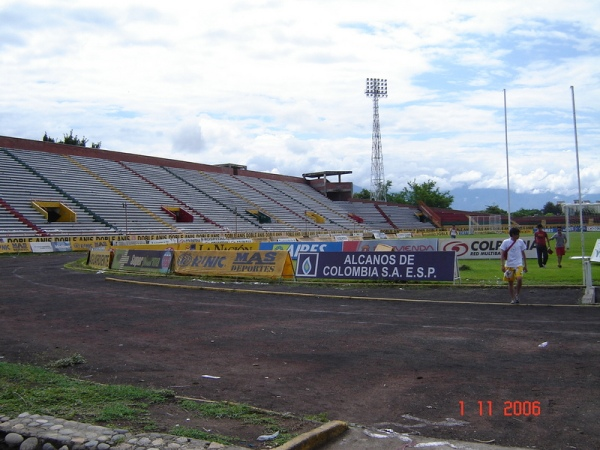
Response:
column 376, row 88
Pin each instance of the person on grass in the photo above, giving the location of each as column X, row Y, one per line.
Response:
column 453, row 232
column 514, row 263
column 560, row 245
column 541, row 245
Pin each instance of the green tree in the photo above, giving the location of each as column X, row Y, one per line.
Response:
column 364, row 194
column 527, row 212
column 494, row 209
column 552, row 209
column 426, row 192
column 69, row 139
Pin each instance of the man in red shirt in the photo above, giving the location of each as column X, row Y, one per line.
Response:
column 541, row 245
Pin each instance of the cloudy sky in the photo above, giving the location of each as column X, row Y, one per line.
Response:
column 279, row 85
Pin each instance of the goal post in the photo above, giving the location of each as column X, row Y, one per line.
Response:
column 485, row 224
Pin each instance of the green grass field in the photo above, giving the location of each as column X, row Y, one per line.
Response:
column 488, row 272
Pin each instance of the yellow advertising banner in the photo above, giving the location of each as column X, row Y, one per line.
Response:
column 250, row 263
column 84, row 246
column 99, row 259
column 146, row 247
column 85, row 243
column 14, row 247
column 203, row 246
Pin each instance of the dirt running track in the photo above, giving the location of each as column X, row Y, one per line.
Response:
column 404, row 365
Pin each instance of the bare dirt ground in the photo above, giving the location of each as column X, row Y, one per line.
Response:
column 451, row 363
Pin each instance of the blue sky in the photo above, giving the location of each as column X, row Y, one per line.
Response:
column 279, row 86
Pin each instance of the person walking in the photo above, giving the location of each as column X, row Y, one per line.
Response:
column 453, row 232
column 541, row 245
column 560, row 245
column 514, row 263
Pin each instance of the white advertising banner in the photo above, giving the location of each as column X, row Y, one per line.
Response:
column 596, row 252
column 482, row 248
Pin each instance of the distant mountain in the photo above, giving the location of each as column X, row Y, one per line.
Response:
column 479, row 199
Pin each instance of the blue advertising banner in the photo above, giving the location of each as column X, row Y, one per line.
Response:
column 295, row 248
column 61, row 246
column 389, row 266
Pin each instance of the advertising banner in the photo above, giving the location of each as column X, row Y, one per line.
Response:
column 257, row 263
column 392, row 245
column 203, row 246
column 85, row 243
column 61, row 246
column 142, row 260
column 388, row 266
column 80, row 246
column 295, row 248
column 41, row 247
column 596, row 252
column 482, row 248
column 99, row 259
column 14, row 246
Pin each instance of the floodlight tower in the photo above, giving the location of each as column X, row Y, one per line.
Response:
column 376, row 88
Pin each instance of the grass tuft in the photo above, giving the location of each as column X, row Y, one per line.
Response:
column 70, row 361
column 41, row 391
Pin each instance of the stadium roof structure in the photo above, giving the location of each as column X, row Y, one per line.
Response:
column 233, row 166
column 326, row 173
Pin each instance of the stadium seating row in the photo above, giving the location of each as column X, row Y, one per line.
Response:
column 124, row 197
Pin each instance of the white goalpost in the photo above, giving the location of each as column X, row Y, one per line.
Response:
column 485, row 224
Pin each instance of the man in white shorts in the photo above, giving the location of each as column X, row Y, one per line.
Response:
column 514, row 263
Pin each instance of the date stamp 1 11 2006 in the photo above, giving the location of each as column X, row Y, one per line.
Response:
column 509, row 408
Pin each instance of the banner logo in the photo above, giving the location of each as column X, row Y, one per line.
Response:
column 308, row 264
column 460, row 248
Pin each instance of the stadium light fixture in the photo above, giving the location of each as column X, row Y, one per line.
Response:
column 377, row 88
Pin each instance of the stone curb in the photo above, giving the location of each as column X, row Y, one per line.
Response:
column 314, row 438
column 41, row 432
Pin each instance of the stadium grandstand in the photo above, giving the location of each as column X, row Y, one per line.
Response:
column 53, row 190
column 49, row 189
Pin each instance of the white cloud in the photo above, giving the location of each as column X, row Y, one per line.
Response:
column 279, row 85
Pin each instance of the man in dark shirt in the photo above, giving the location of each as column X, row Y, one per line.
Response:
column 541, row 244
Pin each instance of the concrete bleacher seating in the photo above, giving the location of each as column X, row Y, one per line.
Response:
column 143, row 200
column 112, row 193
column 181, row 193
column 219, row 201
column 278, row 205
column 19, row 187
column 371, row 216
column 404, row 217
column 302, row 198
column 387, row 217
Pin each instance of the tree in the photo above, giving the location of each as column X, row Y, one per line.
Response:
column 426, row 192
column 494, row 209
column 552, row 209
column 69, row 139
column 364, row 194
column 527, row 212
